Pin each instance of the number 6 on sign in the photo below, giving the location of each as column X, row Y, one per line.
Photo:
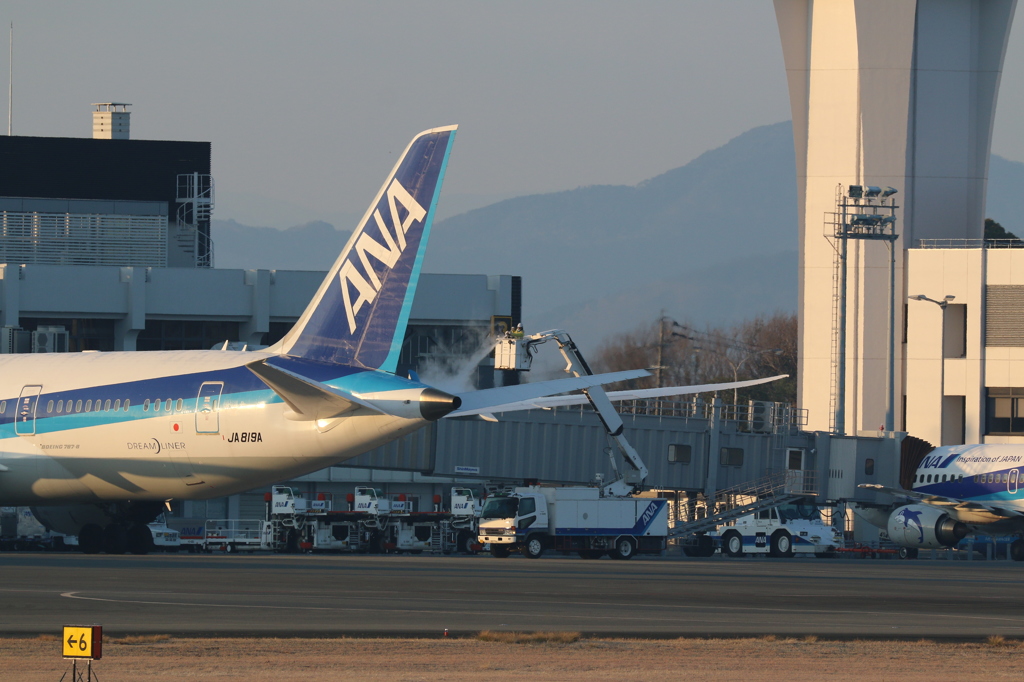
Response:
column 83, row 641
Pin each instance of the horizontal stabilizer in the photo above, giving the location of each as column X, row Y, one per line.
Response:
column 309, row 399
column 496, row 399
column 547, row 400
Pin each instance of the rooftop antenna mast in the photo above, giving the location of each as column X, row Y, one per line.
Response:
column 10, row 83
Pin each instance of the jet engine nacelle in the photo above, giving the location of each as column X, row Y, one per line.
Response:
column 922, row 526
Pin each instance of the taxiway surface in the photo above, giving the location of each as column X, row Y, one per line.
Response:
column 285, row 596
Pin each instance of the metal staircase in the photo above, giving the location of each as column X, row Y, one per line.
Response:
column 770, row 491
column 195, row 199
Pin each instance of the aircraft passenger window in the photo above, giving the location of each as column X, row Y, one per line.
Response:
column 49, row 407
column 915, row 478
column 156, row 405
column 106, row 405
column 127, row 402
column 117, row 405
column 3, row 407
column 943, row 478
column 179, row 405
column 88, row 406
column 991, row 478
column 929, row 478
column 78, row 406
column 145, row 405
column 167, row 405
column 60, row 406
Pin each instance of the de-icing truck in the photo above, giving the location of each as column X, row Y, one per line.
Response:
column 592, row 521
column 573, row 519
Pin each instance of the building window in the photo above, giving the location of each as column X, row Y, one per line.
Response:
column 679, row 453
column 732, row 457
column 83, row 333
column 869, row 467
column 185, row 334
column 954, row 331
column 1005, row 411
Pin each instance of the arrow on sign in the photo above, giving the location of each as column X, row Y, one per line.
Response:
column 71, row 640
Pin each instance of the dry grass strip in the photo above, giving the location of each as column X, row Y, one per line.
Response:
column 539, row 656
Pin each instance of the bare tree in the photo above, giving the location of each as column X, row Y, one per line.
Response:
column 762, row 346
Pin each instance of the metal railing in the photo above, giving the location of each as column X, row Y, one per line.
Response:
column 781, row 417
column 970, row 243
column 83, row 239
column 760, row 494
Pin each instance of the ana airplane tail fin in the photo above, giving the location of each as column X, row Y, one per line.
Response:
column 359, row 314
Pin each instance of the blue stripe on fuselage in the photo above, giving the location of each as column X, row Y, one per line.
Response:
column 971, row 489
column 241, row 387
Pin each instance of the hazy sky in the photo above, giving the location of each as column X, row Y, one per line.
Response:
column 308, row 103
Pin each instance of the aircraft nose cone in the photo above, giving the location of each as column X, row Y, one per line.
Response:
column 435, row 404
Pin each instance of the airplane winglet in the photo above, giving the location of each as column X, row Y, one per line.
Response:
column 308, row 399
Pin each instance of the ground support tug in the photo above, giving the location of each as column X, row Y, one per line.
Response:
column 779, row 532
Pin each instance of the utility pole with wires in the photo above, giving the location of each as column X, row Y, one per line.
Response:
column 705, row 342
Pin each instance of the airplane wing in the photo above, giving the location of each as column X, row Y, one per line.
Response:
column 941, row 501
column 478, row 404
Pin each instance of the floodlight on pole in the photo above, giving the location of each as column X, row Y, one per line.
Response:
column 942, row 304
column 857, row 216
column 942, row 346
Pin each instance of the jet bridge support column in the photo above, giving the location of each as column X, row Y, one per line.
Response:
column 11, row 312
column 714, row 454
column 126, row 330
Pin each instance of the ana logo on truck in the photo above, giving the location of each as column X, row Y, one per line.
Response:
column 652, row 509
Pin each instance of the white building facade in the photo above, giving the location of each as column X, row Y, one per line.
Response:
column 965, row 359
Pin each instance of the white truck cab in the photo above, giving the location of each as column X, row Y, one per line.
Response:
column 507, row 521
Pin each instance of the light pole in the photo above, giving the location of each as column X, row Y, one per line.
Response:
column 942, row 351
column 736, row 365
column 858, row 217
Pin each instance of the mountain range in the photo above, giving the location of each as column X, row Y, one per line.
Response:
column 711, row 242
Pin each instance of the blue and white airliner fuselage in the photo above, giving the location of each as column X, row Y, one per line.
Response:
column 957, row 490
column 134, row 426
